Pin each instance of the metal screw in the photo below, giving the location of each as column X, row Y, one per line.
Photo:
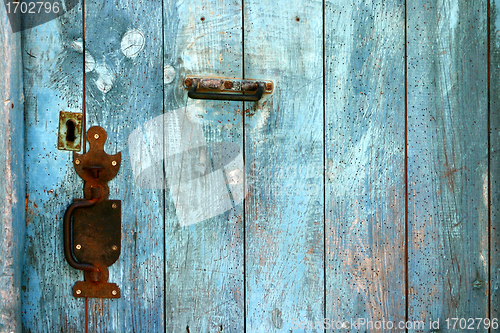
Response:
column 228, row 84
column 114, row 206
column 78, row 246
column 114, row 292
column 114, row 247
column 77, row 161
column 78, row 292
column 113, row 163
column 269, row 86
column 96, row 136
column 188, row 82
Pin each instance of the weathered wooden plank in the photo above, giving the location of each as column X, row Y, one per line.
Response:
column 447, row 160
column 365, row 168
column 204, row 253
column 123, row 83
column 12, row 186
column 494, row 113
column 284, row 219
column 53, row 83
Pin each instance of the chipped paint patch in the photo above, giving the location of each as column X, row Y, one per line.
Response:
column 105, row 80
column 168, row 74
column 89, row 62
column 132, row 43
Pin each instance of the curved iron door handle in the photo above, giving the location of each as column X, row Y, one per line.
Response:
column 68, row 250
column 193, row 93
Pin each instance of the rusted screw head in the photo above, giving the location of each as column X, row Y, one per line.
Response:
column 96, row 136
column 114, row 206
column 78, row 292
column 114, row 292
column 78, row 246
column 228, row 84
column 114, row 247
column 188, row 82
column 77, row 161
column 113, row 163
column 269, row 86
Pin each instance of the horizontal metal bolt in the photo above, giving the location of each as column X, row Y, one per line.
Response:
column 77, row 161
column 114, row 206
column 113, row 163
column 78, row 246
column 114, row 247
column 114, row 292
column 96, row 136
column 78, row 292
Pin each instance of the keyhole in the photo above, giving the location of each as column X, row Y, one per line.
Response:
column 70, row 131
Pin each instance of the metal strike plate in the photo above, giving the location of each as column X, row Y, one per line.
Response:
column 70, row 131
column 97, row 233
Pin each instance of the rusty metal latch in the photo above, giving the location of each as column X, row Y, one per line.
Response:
column 227, row 89
column 92, row 242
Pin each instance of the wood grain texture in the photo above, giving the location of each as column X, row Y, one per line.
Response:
column 447, row 160
column 204, row 273
column 494, row 113
column 47, row 303
column 365, row 169
column 12, row 186
column 123, row 54
column 284, row 218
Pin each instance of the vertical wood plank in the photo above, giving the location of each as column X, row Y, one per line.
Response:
column 447, row 160
column 123, row 54
column 53, row 83
column 284, row 219
column 365, row 169
column 12, row 186
column 494, row 198
column 204, row 272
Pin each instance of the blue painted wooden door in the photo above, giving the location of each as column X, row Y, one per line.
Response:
column 370, row 172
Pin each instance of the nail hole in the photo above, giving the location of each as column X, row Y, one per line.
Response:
column 12, row 106
column 187, row 329
column 297, row 19
column 202, row 18
column 70, row 130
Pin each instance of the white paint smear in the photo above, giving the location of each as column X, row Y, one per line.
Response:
column 132, row 43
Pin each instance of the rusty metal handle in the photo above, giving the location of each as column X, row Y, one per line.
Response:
column 193, row 93
column 68, row 250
